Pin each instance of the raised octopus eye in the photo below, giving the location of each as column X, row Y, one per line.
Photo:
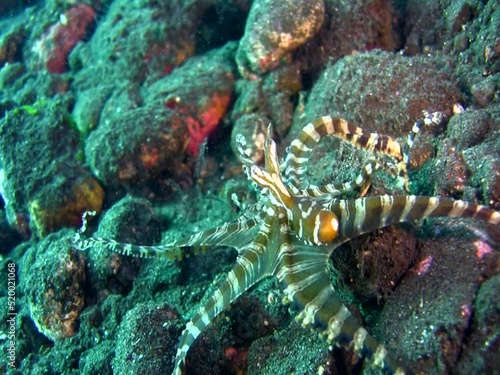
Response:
column 326, row 228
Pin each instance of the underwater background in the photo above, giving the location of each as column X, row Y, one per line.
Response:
column 130, row 108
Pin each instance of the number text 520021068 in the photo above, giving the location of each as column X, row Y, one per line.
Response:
column 11, row 314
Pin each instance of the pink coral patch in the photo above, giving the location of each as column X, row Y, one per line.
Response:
column 213, row 111
column 482, row 248
column 55, row 45
column 423, row 266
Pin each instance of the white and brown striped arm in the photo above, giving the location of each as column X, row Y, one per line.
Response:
column 251, row 266
column 429, row 119
column 304, row 271
column 234, row 234
column 294, row 165
column 336, row 190
column 363, row 215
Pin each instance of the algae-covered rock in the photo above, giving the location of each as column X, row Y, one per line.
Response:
column 43, row 183
column 88, row 108
column 138, row 146
column 201, row 90
column 129, row 220
column 157, row 128
column 55, row 287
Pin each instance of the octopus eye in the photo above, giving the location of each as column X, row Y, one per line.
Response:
column 328, row 226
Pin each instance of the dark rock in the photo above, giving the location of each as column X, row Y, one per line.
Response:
column 11, row 44
column 375, row 263
column 485, row 169
column 9, row 238
column 131, row 220
column 283, row 353
column 481, row 347
column 461, row 43
column 147, row 340
column 484, row 91
column 10, row 7
column 469, row 128
column 352, row 27
column 435, row 22
column 427, row 317
column 452, row 169
column 55, row 287
column 150, row 141
column 382, row 92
